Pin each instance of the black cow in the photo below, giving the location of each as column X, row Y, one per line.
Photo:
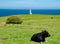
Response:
column 40, row 37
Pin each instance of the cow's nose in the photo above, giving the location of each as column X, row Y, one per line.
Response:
column 49, row 35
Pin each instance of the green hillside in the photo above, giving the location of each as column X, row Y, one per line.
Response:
column 21, row 33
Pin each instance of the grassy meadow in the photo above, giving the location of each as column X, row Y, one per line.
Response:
column 21, row 33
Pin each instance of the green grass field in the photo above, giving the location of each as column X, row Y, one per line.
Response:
column 21, row 33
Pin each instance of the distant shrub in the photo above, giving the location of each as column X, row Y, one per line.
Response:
column 51, row 17
column 14, row 20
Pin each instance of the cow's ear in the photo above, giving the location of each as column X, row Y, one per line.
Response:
column 45, row 31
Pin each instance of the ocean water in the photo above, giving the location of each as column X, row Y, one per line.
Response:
column 7, row 12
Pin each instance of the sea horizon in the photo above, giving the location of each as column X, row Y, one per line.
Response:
column 7, row 12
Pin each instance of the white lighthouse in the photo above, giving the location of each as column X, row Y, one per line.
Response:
column 30, row 12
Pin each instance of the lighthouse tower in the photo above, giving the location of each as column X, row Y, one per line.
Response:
column 30, row 12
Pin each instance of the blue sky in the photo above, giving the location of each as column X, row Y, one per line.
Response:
column 29, row 4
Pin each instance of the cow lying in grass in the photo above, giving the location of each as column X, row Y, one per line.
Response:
column 40, row 37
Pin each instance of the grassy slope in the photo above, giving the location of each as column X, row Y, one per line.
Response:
column 21, row 34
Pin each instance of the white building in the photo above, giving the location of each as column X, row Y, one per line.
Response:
column 30, row 12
